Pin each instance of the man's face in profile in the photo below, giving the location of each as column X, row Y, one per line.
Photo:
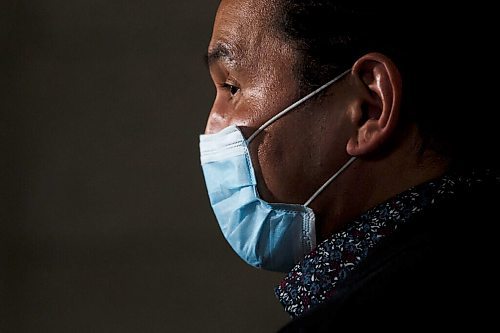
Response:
column 254, row 68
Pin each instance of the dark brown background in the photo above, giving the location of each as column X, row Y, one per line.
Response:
column 105, row 224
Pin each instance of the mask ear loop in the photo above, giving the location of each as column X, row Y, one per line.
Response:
column 290, row 108
column 332, row 178
column 294, row 105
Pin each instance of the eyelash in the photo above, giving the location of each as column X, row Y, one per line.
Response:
column 233, row 90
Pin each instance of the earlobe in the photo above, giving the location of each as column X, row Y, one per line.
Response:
column 375, row 114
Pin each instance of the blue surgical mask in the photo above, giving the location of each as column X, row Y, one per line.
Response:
column 272, row 236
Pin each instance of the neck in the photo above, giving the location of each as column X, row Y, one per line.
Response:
column 372, row 181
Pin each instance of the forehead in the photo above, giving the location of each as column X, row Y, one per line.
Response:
column 240, row 26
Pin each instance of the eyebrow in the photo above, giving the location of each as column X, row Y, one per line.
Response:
column 220, row 52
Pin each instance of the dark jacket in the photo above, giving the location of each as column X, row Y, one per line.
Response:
column 438, row 271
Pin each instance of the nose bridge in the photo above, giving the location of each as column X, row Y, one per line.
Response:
column 217, row 119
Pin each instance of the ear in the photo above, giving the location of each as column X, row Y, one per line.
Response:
column 375, row 112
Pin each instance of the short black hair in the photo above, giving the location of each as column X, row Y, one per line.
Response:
column 427, row 44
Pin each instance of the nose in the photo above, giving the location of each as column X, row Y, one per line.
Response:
column 217, row 119
column 214, row 123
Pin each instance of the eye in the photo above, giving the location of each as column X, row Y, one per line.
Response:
column 233, row 90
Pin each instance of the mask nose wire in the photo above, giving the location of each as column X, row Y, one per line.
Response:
column 295, row 105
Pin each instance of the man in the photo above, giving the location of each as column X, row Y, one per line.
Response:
column 334, row 152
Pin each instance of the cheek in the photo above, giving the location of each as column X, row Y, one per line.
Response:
column 298, row 153
column 284, row 161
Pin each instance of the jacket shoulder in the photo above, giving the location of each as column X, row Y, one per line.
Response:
column 436, row 269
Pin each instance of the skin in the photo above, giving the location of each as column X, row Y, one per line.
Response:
column 252, row 67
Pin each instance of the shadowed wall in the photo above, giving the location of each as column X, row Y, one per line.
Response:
column 105, row 223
